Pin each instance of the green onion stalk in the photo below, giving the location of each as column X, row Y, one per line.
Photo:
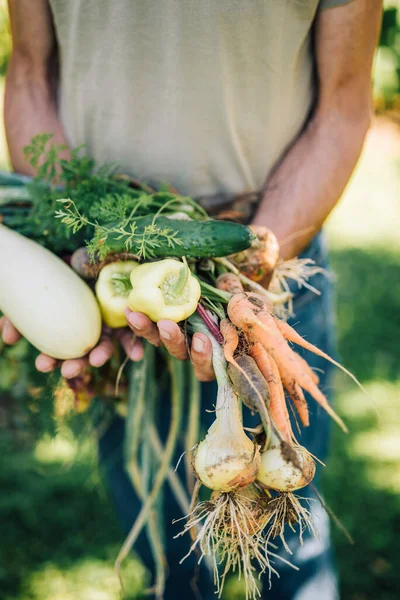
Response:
column 149, row 481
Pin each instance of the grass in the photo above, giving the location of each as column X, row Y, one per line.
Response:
column 362, row 483
column 59, row 533
column 60, row 536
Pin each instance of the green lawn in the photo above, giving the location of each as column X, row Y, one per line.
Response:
column 59, row 535
column 362, row 483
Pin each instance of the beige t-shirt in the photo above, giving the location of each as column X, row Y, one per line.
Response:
column 203, row 94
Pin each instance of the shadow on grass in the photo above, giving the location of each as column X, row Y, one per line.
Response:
column 368, row 311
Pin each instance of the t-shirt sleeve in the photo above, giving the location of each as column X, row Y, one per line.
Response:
column 331, row 3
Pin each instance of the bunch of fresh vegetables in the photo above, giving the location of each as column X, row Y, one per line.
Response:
column 160, row 254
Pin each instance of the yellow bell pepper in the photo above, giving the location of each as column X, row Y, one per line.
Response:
column 165, row 289
column 112, row 290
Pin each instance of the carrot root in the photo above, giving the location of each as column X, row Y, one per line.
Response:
column 277, row 403
column 231, row 337
column 290, row 334
column 299, row 401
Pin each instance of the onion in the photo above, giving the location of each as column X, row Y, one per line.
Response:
column 285, row 467
column 226, row 459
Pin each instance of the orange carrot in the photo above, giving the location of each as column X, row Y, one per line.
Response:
column 304, row 364
column 229, row 282
column 258, row 401
column 299, row 401
column 259, row 261
column 249, row 312
column 260, row 355
column 281, row 407
column 231, row 338
column 277, row 406
column 290, row 334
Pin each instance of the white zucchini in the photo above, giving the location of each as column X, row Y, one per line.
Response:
column 45, row 299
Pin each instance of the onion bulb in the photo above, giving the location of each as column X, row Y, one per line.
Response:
column 285, row 467
column 226, row 459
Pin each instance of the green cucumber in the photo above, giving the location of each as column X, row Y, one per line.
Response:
column 200, row 239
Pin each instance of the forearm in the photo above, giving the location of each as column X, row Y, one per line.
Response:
column 307, row 184
column 311, row 178
column 30, row 107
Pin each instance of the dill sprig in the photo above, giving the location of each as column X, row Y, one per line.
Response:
column 143, row 241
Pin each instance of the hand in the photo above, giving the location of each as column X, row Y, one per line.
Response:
column 170, row 335
column 76, row 367
column 166, row 332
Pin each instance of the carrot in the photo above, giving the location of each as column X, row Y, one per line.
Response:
column 282, row 401
column 299, row 401
column 248, row 311
column 260, row 355
column 259, row 261
column 290, row 334
column 304, row 364
column 277, row 404
column 231, row 339
column 257, row 386
column 229, row 282
column 243, row 309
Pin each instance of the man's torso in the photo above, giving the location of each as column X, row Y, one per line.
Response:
column 204, row 95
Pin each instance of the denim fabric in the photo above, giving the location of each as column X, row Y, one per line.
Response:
column 316, row 578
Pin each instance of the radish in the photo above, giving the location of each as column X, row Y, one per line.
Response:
column 45, row 299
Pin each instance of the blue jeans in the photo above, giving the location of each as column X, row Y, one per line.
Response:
column 316, row 578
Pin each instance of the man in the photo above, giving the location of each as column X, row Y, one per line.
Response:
column 218, row 99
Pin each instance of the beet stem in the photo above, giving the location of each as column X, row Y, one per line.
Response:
column 203, row 314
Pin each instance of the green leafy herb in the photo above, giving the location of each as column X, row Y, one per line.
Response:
column 142, row 243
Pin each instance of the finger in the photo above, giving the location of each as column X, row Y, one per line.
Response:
column 9, row 334
column 102, row 352
column 74, row 367
column 143, row 327
column 172, row 338
column 46, row 364
column 201, row 356
column 132, row 346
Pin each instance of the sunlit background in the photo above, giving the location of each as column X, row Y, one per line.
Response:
column 58, row 533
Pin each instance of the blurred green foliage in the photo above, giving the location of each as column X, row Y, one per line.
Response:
column 387, row 60
column 5, row 38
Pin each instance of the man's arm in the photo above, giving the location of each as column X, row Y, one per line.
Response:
column 309, row 181
column 30, row 105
